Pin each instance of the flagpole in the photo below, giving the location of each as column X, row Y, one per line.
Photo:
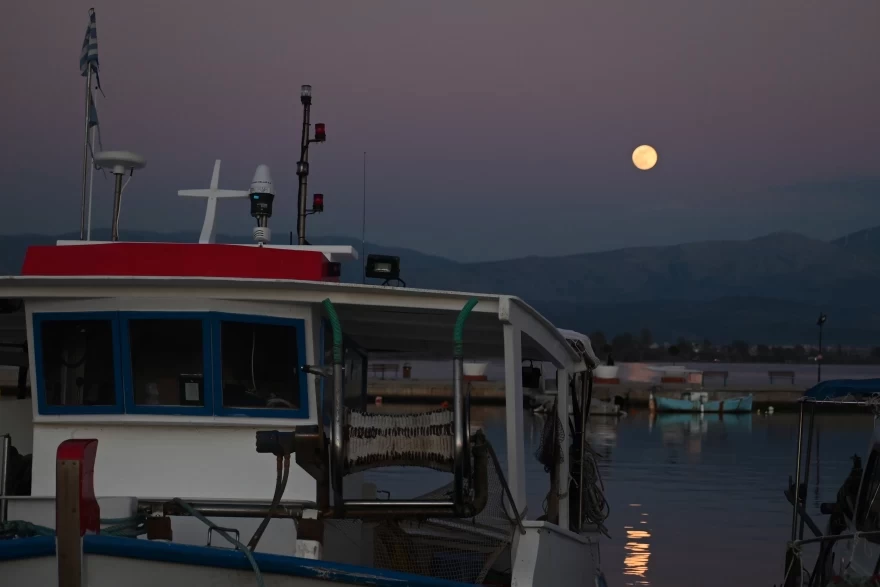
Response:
column 86, row 156
column 91, row 183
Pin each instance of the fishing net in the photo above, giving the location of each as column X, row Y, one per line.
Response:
column 455, row 549
column 425, row 440
column 549, row 451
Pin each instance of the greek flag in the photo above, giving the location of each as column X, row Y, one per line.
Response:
column 88, row 57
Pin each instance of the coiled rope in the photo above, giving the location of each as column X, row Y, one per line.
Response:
column 596, row 507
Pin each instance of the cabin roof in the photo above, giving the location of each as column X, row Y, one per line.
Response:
column 412, row 322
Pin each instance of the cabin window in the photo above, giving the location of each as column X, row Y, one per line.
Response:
column 184, row 363
column 868, row 516
column 166, row 362
column 77, row 364
column 260, row 365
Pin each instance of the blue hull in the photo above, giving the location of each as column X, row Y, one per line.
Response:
column 282, row 567
column 726, row 406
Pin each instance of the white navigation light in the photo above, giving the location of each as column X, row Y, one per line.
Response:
column 262, row 193
column 262, row 182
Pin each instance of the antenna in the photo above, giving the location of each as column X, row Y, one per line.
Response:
column 212, row 194
column 364, row 226
column 120, row 162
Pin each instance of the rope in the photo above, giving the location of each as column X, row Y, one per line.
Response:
column 596, row 507
column 796, row 563
column 238, row 545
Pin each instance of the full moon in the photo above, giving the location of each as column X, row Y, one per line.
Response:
column 645, row 157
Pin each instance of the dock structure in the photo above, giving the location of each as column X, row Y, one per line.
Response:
column 492, row 392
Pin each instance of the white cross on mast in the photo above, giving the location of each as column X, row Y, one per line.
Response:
column 212, row 194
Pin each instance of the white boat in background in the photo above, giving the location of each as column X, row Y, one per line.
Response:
column 474, row 369
column 196, row 414
column 545, row 402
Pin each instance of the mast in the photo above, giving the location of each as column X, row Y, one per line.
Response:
column 86, row 157
column 88, row 66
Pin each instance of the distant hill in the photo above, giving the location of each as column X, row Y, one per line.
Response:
column 767, row 289
column 782, row 266
column 866, row 242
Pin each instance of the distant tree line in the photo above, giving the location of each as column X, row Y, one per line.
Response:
column 628, row 347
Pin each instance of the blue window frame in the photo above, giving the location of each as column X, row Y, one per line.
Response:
column 89, row 383
column 282, row 352
column 174, row 379
column 115, row 379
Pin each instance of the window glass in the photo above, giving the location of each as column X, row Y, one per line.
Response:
column 78, row 367
column 259, row 365
column 167, row 362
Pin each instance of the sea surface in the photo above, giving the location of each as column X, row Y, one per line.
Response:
column 695, row 500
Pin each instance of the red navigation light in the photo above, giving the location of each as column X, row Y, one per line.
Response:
column 318, row 203
column 320, row 133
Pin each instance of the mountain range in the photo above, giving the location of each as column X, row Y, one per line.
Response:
column 765, row 290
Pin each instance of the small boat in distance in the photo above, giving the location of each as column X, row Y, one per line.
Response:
column 698, row 401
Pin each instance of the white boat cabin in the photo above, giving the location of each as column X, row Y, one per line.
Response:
column 172, row 356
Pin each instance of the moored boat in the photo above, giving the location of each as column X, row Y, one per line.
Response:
column 698, row 402
column 847, row 550
column 169, row 381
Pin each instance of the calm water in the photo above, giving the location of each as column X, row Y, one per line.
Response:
column 693, row 500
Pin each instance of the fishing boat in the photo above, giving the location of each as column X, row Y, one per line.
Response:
column 169, row 382
column 699, row 402
column 847, row 551
column 196, row 413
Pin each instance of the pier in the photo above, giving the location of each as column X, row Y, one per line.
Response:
column 780, row 396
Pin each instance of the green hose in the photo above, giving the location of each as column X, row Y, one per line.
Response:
column 458, row 334
column 337, row 331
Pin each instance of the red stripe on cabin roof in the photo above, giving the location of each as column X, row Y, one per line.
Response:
column 175, row 260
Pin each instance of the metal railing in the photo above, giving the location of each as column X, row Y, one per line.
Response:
column 5, row 445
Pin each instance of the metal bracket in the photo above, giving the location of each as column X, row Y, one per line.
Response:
column 318, row 371
column 231, row 531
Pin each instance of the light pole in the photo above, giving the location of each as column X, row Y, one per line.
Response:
column 820, row 323
column 302, row 166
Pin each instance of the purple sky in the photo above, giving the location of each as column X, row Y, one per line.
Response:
column 493, row 128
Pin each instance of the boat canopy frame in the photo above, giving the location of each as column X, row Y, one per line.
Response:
column 853, row 393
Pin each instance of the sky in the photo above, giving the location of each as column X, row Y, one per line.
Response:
column 492, row 129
